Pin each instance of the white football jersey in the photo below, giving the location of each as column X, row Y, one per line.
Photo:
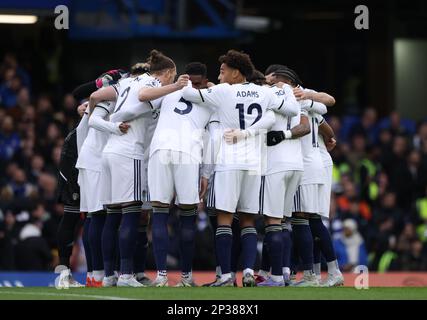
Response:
column 91, row 151
column 82, row 131
column 238, row 107
column 287, row 155
column 314, row 172
column 149, row 131
column 138, row 115
column 326, row 157
column 181, row 126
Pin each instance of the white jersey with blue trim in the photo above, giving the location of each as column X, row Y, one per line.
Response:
column 314, row 172
column 326, row 157
column 239, row 106
column 287, row 155
column 91, row 150
column 181, row 126
column 136, row 113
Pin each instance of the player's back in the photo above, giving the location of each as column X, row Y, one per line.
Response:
column 242, row 106
column 286, row 155
column 313, row 164
column 132, row 143
column 181, row 125
column 91, row 150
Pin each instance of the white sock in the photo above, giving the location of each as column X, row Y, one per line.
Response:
column 233, row 275
column 276, row 278
column 248, row 270
column 89, row 275
column 126, row 276
column 98, row 275
column 218, row 271
column 263, row 273
column 333, row 267
column 286, row 271
column 225, row 277
column 316, row 268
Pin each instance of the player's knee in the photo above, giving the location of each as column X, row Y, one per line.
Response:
column 187, row 206
column 271, row 220
column 246, row 220
column 224, row 218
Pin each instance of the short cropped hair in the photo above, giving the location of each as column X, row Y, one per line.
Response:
column 238, row 60
column 197, row 69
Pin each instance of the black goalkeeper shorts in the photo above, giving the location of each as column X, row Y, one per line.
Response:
column 68, row 188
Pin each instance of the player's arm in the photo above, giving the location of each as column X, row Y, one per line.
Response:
column 103, row 94
column 288, row 106
column 300, row 130
column 322, row 97
column 265, row 123
column 97, row 121
column 327, row 133
column 211, row 97
column 147, row 94
column 314, row 107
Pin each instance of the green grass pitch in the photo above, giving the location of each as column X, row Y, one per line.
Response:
column 342, row 293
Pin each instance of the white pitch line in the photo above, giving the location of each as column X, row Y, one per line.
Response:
column 65, row 295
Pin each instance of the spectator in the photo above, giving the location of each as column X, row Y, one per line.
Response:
column 350, row 247
column 9, row 139
column 32, row 252
column 368, row 126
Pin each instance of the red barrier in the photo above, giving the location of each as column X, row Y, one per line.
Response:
column 394, row 279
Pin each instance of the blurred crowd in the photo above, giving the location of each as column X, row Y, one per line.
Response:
column 378, row 207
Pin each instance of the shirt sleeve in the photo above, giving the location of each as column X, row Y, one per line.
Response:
column 98, row 122
column 314, row 107
column 212, row 96
column 285, row 104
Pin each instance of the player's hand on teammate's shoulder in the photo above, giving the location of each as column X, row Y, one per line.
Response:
column 124, row 127
column 210, row 84
column 280, row 84
column 300, row 94
column 182, row 81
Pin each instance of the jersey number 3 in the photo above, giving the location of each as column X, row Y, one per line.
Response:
column 187, row 109
column 251, row 108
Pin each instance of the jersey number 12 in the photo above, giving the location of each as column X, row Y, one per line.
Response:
column 251, row 108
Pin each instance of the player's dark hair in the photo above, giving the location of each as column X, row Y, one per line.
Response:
column 197, row 69
column 257, row 77
column 238, row 60
column 274, row 67
column 159, row 62
column 139, row 68
column 289, row 74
